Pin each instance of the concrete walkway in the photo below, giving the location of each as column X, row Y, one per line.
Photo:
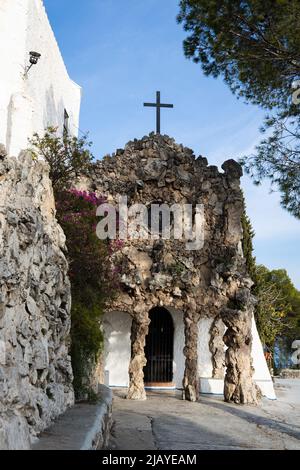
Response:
column 82, row 427
column 165, row 422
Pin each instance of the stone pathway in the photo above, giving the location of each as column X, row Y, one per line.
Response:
column 85, row 426
column 165, row 422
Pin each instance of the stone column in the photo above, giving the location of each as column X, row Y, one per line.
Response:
column 191, row 379
column 216, row 347
column 239, row 386
column 139, row 331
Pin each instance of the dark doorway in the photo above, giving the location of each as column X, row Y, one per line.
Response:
column 159, row 347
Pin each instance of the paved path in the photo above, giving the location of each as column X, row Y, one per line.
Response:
column 85, row 426
column 165, row 422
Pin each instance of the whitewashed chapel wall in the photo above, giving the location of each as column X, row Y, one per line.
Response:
column 117, row 348
column 30, row 104
column 117, row 329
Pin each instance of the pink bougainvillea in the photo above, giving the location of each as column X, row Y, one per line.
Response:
column 89, row 197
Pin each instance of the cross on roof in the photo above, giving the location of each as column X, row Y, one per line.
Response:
column 158, row 105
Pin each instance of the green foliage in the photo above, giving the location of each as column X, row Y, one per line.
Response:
column 277, row 311
column 277, row 157
column 86, row 344
column 273, row 304
column 177, row 269
column 247, row 245
column 255, row 46
column 92, row 279
column 68, row 156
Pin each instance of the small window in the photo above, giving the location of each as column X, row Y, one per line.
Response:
column 66, row 122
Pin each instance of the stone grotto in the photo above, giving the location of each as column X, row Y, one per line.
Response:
column 184, row 318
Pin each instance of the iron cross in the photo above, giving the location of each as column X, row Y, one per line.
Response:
column 158, row 105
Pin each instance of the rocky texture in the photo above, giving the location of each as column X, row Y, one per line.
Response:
column 163, row 272
column 139, row 331
column 191, row 379
column 35, row 367
column 239, row 388
column 216, row 347
column 290, row 373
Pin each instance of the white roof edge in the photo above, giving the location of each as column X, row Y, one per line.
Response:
column 75, row 84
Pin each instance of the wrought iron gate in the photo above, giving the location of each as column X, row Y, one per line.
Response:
column 159, row 347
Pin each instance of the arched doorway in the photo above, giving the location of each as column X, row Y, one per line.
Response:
column 159, row 348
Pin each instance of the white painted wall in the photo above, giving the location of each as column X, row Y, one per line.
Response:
column 262, row 375
column 205, row 368
column 30, row 104
column 117, row 328
column 117, row 348
column 209, row 385
column 179, row 359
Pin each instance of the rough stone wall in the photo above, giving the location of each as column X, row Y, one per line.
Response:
column 163, row 272
column 290, row 374
column 35, row 367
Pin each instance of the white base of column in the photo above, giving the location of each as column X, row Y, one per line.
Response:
column 211, row 386
column 216, row 387
column 267, row 388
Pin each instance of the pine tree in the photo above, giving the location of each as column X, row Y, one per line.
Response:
column 254, row 45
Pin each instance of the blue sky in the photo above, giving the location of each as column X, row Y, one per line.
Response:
column 121, row 52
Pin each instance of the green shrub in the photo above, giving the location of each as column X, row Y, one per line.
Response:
column 93, row 281
column 67, row 156
column 93, row 278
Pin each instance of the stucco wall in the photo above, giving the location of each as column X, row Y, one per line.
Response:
column 117, row 349
column 262, row 375
column 179, row 359
column 204, row 355
column 30, row 104
column 117, row 328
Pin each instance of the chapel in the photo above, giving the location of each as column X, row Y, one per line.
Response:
column 185, row 317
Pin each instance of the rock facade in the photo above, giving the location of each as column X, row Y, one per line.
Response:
column 202, row 282
column 35, row 366
column 290, row 373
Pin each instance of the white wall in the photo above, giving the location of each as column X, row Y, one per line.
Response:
column 13, row 41
column 179, row 341
column 262, row 375
column 117, row 348
column 30, row 104
column 117, row 329
column 205, row 368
